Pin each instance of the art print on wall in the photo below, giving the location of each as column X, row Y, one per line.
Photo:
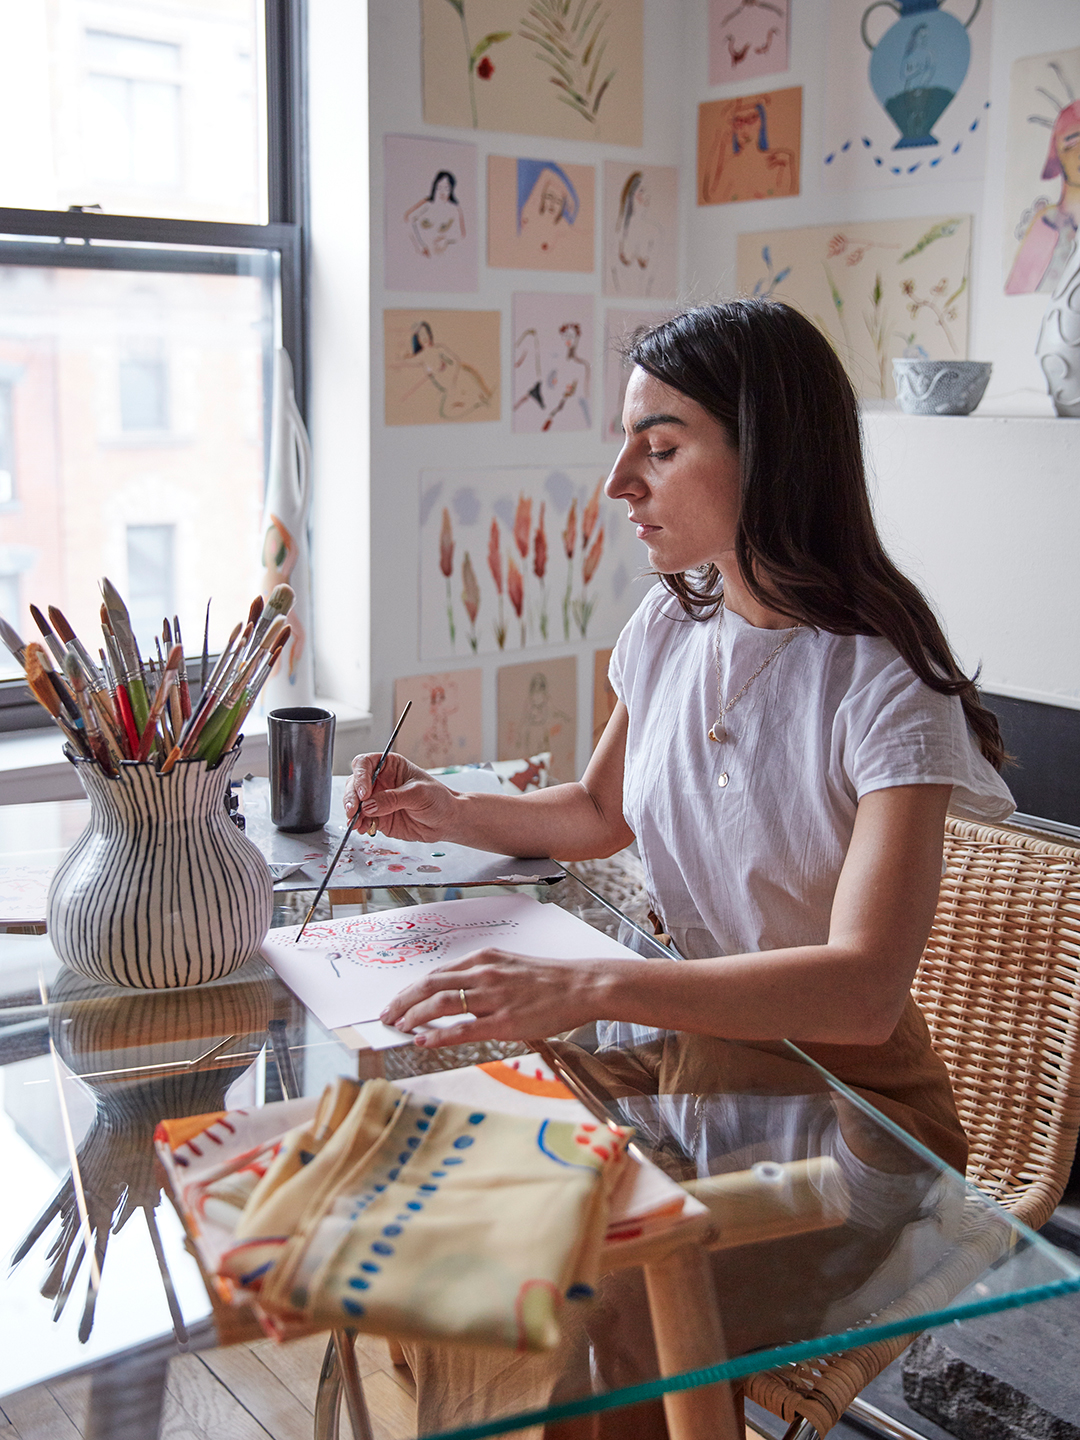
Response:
column 1042, row 172
column 513, row 559
column 640, row 237
column 748, row 148
column 552, row 363
column 441, row 366
column 537, row 711
column 445, row 725
column 747, row 38
column 878, row 288
column 619, row 326
column 535, row 67
column 906, row 94
column 540, row 214
column 431, row 219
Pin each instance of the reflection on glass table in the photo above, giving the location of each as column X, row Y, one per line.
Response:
column 821, row 1225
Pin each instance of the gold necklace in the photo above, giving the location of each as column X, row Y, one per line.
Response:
column 717, row 731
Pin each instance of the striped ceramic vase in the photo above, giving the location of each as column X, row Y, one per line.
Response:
column 161, row 889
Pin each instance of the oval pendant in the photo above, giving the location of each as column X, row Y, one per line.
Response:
column 723, row 779
column 718, row 733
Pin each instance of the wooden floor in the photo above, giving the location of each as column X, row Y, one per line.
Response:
column 244, row 1392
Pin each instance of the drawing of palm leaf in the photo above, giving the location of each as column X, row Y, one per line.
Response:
column 570, row 38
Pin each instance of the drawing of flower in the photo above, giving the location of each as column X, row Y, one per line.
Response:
column 569, row 540
column 590, row 515
column 877, row 324
column 470, row 596
column 766, row 286
column 515, row 588
column 540, row 552
column 522, row 525
column 479, row 62
column 495, row 566
column 942, row 311
column 584, row 607
column 569, row 35
column 446, row 565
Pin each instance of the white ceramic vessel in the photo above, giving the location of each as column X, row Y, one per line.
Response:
column 940, row 387
column 1058, row 346
column 161, row 889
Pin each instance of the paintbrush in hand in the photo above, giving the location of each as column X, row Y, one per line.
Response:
column 352, row 824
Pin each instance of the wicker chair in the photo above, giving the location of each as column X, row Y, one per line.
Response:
column 999, row 984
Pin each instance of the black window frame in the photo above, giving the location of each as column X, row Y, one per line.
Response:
column 44, row 237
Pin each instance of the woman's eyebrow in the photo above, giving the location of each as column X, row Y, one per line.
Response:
column 648, row 421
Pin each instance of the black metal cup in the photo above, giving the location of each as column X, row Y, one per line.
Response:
column 301, row 767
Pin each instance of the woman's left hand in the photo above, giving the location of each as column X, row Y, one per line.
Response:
column 514, row 997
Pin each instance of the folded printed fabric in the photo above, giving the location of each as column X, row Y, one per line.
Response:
column 403, row 1215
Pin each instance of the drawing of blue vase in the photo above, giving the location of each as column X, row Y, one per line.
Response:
column 918, row 65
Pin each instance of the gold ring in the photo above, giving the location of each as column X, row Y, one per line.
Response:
column 464, row 1003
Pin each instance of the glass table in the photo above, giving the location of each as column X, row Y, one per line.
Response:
column 816, row 1225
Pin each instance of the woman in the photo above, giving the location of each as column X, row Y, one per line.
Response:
column 436, row 222
column 791, row 729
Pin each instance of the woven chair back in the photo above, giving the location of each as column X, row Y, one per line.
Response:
column 999, row 984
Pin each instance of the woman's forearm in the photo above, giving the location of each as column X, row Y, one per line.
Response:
column 565, row 822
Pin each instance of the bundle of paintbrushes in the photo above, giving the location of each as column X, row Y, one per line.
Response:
column 123, row 707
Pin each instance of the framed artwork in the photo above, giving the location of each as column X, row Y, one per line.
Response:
column 535, row 67
column 552, row 363
column 906, row 94
column 431, row 218
column 641, row 206
column 441, row 366
column 747, row 38
column 878, row 289
column 537, row 711
column 445, row 726
column 748, row 148
column 540, row 214
column 516, row 559
column 1042, row 171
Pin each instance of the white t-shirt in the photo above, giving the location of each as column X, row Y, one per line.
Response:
column 754, row 865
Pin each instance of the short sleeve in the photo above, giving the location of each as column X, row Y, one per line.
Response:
column 627, row 651
column 897, row 731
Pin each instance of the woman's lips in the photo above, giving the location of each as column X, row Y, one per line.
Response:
column 645, row 531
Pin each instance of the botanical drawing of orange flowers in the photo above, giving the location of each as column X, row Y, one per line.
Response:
column 584, row 607
column 515, row 588
column 495, row 566
column 470, row 596
column 522, row 525
column 592, row 560
column 590, row 515
column 540, row 553
column 569, row 540
column 446, row 565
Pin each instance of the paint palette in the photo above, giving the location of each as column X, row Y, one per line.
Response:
column 378, row 862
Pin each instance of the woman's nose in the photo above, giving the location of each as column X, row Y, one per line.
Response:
column 621, row 482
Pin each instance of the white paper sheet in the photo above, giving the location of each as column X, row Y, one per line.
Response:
column 345, row 971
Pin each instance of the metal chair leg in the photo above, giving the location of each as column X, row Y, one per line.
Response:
column 801, row 1430
column 878, row 1423
column 340, row 1374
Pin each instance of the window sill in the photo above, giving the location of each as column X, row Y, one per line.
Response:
column 33, row 767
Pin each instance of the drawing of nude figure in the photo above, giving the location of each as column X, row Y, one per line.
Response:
column 742, row 165
column 461, row 387
column 566, row 378
column 436, row 222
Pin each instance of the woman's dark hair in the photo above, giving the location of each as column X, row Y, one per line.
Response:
column 806, row 544
column 451, row 180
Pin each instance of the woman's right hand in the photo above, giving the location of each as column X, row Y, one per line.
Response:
column 407, row 804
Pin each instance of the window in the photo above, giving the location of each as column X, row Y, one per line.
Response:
column 151, row 594
column 131, row 116
column 143, row 337
column 7, row 445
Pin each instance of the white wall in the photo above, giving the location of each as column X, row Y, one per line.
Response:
column 983, row 513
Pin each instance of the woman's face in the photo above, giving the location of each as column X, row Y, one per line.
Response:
column 679, row 475
column 442, row 189
column 1067, row 150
